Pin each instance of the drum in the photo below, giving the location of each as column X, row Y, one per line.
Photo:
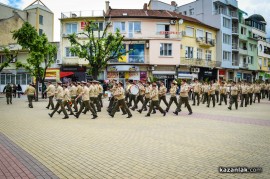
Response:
column 134, row 89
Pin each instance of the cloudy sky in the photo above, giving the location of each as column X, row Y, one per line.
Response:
column 57, row 6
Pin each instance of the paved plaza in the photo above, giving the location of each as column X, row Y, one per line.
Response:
column 33, row 145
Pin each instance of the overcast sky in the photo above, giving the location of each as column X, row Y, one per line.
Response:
column 57, row 6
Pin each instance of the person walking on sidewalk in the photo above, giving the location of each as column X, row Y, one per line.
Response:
column 30, row 91
column 8, row 90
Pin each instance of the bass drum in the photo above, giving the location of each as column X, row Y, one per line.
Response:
column 134, row 89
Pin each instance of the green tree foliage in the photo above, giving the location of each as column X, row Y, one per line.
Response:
column 9, row 56
column 41, row 52
column 99, row 48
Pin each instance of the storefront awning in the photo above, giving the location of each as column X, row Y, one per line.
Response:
column 64, row 74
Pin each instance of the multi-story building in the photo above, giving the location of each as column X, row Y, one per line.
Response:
column 221, row 14
column 39, row 16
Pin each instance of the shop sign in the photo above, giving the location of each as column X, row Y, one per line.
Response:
column 208, row 73
column 239, row 75
column 222, row 72
column 112, row 75
column 52, row 74
column 74, row 69
column 162, row 76
column 123, row 68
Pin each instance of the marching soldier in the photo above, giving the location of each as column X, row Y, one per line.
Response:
column 73, row 93
column 85, row 102
column 173, row 98
column 211, row 94
column 127, row 93
column 155, row 101
column 100, row 89
column 262, row 85
column 30, row 91
column 50, row 93
column 223, row 93
column 147, row 97
column 120, row 95
column 59, row 94
column 140, row 97
column 234, row 96
column 132, row 97
column 244, row 94
column 113, row 99
column 257, row 91
column 96, row 93
column 66, row 100
column 162, row 94
column 8, row 90
column 183, row 98
column 217, row 90
column 79, row 91
column 205, row 92
column 197, row 91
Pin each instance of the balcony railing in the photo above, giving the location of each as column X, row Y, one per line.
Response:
column 235, row 46
column 235, row 62
column 207, row 42
column 74, row 14
column 234, row 14
column 243, row 65
column 199, row 62
column 235, row 30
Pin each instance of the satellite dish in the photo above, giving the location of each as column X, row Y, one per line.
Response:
column 181, row 21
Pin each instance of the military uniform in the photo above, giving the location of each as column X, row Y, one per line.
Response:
column 217, row 90
column 234, row 96
column 8, row 90
column 59, row 94
column 146, row 99
column 197, row 91
column 211, row 95
column 50, row 93
column 79, row 91
column 257, row 91
column 73, row 94
column 173, row 98
column 132, row 97
column 100, row 90
column 205, row 93
column 120, row 96
column 223, row 94
column 162, row 94
column 66, row 101
column 244, row 95
column 127, row 93
column 183, row 98
column 30, row 91
column 139, row 97
column 155, row 102
column 250, row 93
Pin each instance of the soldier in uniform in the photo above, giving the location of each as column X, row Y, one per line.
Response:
column 73, row 93
column 250, row 89
column 211, row 94
column 100, row 90
column 183, row 98
column 30, row 91
column 120, row 95
column 96, row 93
column 127, row 93
column 66, row 100
column 205, row 92
column 262, row 85
column 132, row 97
column 223, row 93
column 59, row 95
column 217, row 90
column 234, row 96
column 244, row 94
column 85, row 102
column 50, row 93
column 140, row 97
column 147, row 97
column 8, row 90
column 155, row 101
column 162, row 94
column 197, row 91
column 79, row 91
column 257, row 91
column 173, row 98
column 113, row 99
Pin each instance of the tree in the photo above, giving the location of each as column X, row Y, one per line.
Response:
column 40, row 52
column 9, row 56
column 100, row 47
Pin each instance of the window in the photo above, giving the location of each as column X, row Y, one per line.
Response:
column 191, row 11
column 3, row 79
column 208, row 55
column 226, row 56
column 199, row 33
column 226, row 23
column 189, row 52
column 243, row 31
column 40, row 32
column 189, row 31
column 100, row 26
column 162, row 28
column 71, row 28
column 165, row 49
column 265, row 63
column 185, row 12
column 251, row 47
column 69, row 53
column 121, row 26
column 40, row 19
column 208, row 37
column 134, row 27
column 137, row 53
column 226, row 39
column 2, row 58
column 250, row 60
column 199, row 54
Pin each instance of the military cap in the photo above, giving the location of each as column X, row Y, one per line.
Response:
column 174, row 82
column 59, row 82
column 154, row 84
column 83, row 82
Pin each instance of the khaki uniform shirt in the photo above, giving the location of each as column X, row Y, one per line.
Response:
column 79, row 89
column 250, row 89
column 50, row 90
column 92, row 90
column 244, row 89
column 59, row 94
column 257, row 89
column 96, row 91
column 142, row 89
column 120, row 93
column 147, row 92
column 30, row 90
column 206, row 88
column 197, row 87
column 85, row 94
column 173, row 91
column 223, row 89
column 162, row 90
column 66, row 95
column 234, row 90
column 73, row 90
column 216, row 86
column 184, row 91
column 212, row 89
column 100, row 88
column 154, row 94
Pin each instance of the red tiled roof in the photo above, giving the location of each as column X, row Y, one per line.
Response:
column 141, row 13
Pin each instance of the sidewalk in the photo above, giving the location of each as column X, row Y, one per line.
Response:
column 33, row 145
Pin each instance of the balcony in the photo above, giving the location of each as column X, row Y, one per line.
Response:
column 235, row 47
column 205, row 42
column 76, row 14
column 199, row 62
column 235, row 62
column 70, row 61
column 234, row 30
column 243, row 50
column 234, row 15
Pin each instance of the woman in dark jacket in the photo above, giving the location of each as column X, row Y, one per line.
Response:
column 19, row 90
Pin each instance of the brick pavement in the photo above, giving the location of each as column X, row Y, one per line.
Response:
column 158, row 147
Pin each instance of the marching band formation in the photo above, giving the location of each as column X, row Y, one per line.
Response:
column 81, row 97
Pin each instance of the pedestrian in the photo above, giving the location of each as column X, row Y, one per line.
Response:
column 14, row 90
column 30, row 91
column 8, row 90
column 19, row 90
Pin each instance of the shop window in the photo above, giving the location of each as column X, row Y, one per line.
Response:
column 137, row 53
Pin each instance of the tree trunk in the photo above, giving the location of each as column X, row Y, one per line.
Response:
column 36, row 96
column 95, row 73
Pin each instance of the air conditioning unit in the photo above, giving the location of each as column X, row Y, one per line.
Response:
column 151, row 68
column 184, row 33
column 173, row 22
column 64, row 35
column 58, row 62
column 199, row 39
column 195, row 70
